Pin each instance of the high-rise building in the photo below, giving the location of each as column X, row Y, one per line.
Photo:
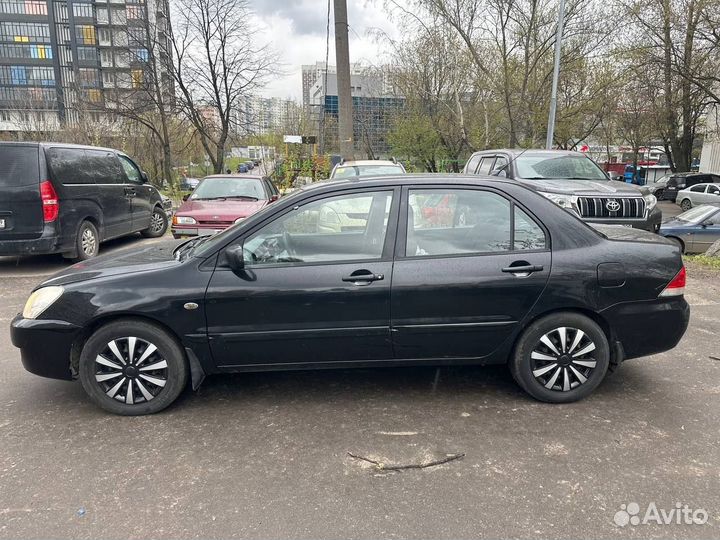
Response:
column 258, row 116
column 58, row 57
column 312, row 73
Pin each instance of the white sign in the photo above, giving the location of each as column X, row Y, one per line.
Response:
column 293, row 139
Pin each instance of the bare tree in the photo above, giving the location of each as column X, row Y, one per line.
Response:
column 217, row 63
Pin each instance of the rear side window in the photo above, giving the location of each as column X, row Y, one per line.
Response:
column 19, row 166
column 104, row 167
column 68, row 166
column 472, row 164
column 698, row 189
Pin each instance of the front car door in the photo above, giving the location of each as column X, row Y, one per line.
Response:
column 139, row 193
column 315, row 288
column 461, row 287
column 707, row 233
column 116, row 206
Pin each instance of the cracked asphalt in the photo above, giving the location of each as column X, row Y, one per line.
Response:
column 266, row 455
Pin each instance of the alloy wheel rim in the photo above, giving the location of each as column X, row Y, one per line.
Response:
column 157, row 222
column 563, row 359
column 88, row 242
column 131, row 370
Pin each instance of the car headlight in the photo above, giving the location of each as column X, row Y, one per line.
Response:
column 185, row 220
column 40, row 300
column 563, row 201
column 239, row 220
column 650, row 201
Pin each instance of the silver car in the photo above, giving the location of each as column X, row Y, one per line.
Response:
column 695, row 230
column 697, row 195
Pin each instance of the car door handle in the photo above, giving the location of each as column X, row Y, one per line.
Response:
column 364, row 278
column 525, row 269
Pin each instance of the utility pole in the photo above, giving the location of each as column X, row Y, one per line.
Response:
column 342, row 59
column 556, row 76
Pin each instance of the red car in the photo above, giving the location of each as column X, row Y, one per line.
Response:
column 220, row 201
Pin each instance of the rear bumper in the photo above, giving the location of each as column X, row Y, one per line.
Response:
column 37, row 246
column 45, row 345
column 651, row 327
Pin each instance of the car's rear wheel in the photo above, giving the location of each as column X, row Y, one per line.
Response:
column 686, row 205
column 561, row 358
column 87, row 242
column 158, row 224
column 132, row 368
column 660, row 194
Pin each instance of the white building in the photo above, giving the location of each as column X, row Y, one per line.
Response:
column 312, row 73
column 710, row 156
column 259, row 116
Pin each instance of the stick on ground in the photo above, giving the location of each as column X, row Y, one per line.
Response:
column 385, row 467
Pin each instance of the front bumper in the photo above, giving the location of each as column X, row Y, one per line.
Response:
column 45, row 345
column 181, row 231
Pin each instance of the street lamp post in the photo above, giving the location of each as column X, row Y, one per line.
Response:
column 556, row 76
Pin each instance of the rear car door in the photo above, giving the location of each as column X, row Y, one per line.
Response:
column 139, row 193
column 21, row 211
column 460, row 288
column 315, row 288
column 105, row 169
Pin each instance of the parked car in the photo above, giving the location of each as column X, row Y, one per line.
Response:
column 679, row 181
column 371, row 167
column 188, row 184
column 698, row 194
column 167, row 204
column 68, row 199
column 657, row 187
column 559, row 302
column 250, row 165
column 574, row 182
column 220, row 201
column 242, row 168
column 695, row 230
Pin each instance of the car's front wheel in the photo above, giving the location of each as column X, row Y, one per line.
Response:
column 132, row 367
column 158, row 224
column 561, row 358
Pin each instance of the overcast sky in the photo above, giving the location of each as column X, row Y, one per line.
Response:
column 296, row 29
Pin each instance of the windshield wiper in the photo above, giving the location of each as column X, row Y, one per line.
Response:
column 249, row 197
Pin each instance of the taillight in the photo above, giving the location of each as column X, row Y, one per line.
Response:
column 51, row 205
column 677, row 286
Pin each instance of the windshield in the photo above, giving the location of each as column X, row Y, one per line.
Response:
column 229, row 188
column 697, row 214
column 552, row 166
column 347, row 171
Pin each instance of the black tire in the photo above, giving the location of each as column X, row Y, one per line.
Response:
column 87, row 242
column 158, row 224
column 685, row 205
column 660, row 194
column 167, row 354
column 533, row 373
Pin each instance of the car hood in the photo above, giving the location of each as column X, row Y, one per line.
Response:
column 151, row 257
column 585, row 187
column 676, row 224
column 228, row 210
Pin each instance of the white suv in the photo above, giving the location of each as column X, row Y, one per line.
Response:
column 370, row 167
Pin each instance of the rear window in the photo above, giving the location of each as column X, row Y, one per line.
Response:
column 19, row 166
column 68, row 166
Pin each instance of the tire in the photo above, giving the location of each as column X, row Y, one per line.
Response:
column 686, row 205
column 660, row 194
column 152, row 390
column 562, row 378
column 158, row 224
column 87, row 242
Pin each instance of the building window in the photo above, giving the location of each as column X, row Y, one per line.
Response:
column 25, row 51
column 21, row 32
column 94, row 96
column 139, row 55
column 137, row 78
column 102, row 15
column 88, row 77
column 88, row 54
column 104, row 36
column 83, row 10
column 134, row 12
column 23, row 7
column 85, row 34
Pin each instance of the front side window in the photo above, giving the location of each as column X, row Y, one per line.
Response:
column 131, row 170
column 464, row 221
column 713, row 189
column 335, row 229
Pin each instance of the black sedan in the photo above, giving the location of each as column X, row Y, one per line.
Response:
column 360, row 273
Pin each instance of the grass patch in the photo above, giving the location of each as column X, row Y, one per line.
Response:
column 704, row 260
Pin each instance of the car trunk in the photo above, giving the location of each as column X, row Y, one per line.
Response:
column 21, row 212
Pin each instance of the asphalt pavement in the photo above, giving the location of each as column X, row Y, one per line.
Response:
column 266, row 455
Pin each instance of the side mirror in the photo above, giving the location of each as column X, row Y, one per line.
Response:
column 274, row 198
column 235, row 258
column 186, row 197
column 144, row 177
